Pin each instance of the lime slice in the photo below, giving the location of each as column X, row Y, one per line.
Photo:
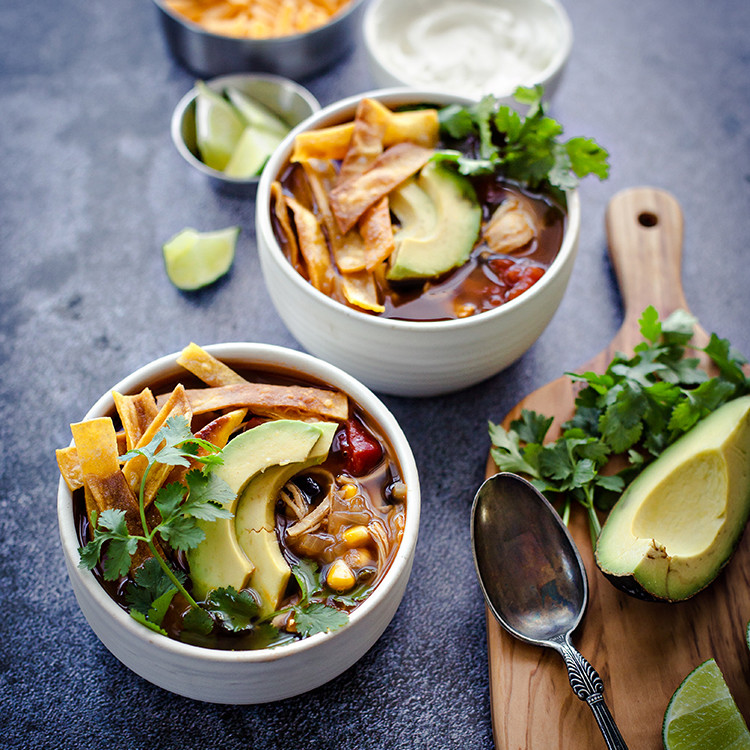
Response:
column 256, row 114
column 195, row 259
column 702, row 714
column 218, row 127
column 252, row 152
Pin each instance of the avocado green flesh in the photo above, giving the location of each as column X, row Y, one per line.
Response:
column 680, row 520
column 440, row 219
column 219, row 561
column 255, row 522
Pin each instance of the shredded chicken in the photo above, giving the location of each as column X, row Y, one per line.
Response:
column 294, row 499
column 511, row 227
column 380, row 536
column 313, row 519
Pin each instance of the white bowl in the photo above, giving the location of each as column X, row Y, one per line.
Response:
column 467, row 47
column 243, row 677
column 405, row 358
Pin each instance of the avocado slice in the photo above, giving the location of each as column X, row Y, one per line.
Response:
column 255, row 522
column 218, row 561
column 440, row 218
column 680, row 520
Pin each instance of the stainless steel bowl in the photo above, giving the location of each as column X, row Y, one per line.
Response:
column 292, row 102
column 299, row 56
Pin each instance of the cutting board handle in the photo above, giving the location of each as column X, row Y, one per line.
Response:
column 644, row 230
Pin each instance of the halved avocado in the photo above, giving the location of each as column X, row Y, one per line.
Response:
column 219, row 561
column 440, row 218
column 255, row 522
column 680, row 520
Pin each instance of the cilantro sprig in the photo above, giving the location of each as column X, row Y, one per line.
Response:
column 524, row 148
column 634, row 410
column 201, row 497
column 180, row 505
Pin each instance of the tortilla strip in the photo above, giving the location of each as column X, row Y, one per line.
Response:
column 419, row 126
column 348, row 249
column 313, row 246
column 206, row 367
column 376, row 229
column 282, row 214
column 271, row 400
column 70, row 465
column 366, row 144
column 352, row 198
column 106, row 486
column 176, row 405
column 136, row 414
column 360, row 290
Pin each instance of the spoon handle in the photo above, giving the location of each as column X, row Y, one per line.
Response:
column 588, row 686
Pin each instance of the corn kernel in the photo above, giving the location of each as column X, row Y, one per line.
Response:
column 348, row 491
column 356, row 536
column 340, row 576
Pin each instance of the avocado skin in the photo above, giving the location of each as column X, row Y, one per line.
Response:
column 440, row 219
column 701, row 483
column 628, row 584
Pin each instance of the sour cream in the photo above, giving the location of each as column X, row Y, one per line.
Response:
column 467, row 47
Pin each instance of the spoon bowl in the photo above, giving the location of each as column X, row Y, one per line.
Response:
column 534, row 581
column 532, row 575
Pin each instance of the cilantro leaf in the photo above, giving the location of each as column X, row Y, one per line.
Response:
column 235, row 610
column 318, row 617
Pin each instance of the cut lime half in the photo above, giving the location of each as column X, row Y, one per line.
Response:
column 218, row 127
column 195, row 259
column 702, row 714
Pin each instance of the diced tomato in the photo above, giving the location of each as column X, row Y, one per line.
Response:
column 360, row 449
column 524, row 278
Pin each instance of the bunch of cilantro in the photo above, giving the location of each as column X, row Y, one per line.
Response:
column 202, row 496
column 638, row 407
column 523, row 148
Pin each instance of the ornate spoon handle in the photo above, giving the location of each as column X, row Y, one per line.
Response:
column 588, row 686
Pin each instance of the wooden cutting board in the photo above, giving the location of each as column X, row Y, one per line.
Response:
column 642, row 650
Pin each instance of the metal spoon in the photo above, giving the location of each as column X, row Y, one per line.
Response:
column 534, row 581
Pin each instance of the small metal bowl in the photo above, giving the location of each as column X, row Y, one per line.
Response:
column 292, row 102
column 298, row 56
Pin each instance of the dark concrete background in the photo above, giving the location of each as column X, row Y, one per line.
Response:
column 92, row 185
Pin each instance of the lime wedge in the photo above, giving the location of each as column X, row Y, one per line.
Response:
column 256, row 114
column 252, row 152
column 702, row 714
column 194, row 259
column 218, row 127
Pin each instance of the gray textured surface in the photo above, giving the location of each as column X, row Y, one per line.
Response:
column 91, row 184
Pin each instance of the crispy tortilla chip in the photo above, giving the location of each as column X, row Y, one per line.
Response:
column 352, row 198
column 376, row 229
column 313, row 247
column 360, row 291
column 281, row 211
column 348, row 249
column 105, row 485
column 419, row 126
column 136, row 414
column 176, row 405
column 206, row 367
column 283, row 401
column 366, row 144
column 70, row 467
